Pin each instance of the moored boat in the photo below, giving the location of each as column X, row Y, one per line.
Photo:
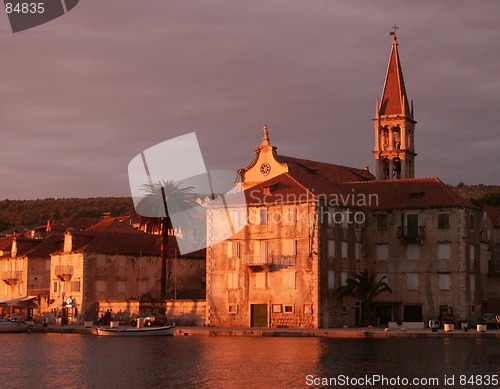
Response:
column 147, row 331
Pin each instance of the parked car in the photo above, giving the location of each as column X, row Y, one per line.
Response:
column 150, row 319
column 446, row 316
column 490, row 320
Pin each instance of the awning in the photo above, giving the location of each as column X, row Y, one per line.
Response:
column 17, row 302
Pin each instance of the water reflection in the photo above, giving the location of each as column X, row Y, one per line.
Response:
column 65, row 360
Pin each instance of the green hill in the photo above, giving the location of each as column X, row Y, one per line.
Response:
column 36, row 212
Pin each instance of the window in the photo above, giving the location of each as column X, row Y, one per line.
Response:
column 413, row 251
column 263, row 216
column 260, row 280
column 472, row 280
column 472, row 221
column 277, row 308
column 344, row 250
column 444, row 250
column 100, row 286
column 471, row 253
column 288, row 308
column 75, row 286
column 233, row 280
column 236, row 219
column 412, row 281
column 345, row 219
column 289, row 280
column 382, row 252
column 343, row 278
column 100, row 261
column 382, row 222
column 233, row 308
column 258, row 216
column 308, row 309
column 233, row 249
column 290, row 215
column 55, row 287
column 412, row 225
column 357, row 250
column 331, row 248
column 260, row 248
column 443, row 221
column 289, row 247
column 21, row 288
column 445, row 281
column 331, row 279
column 121, row 286
column 122, row 262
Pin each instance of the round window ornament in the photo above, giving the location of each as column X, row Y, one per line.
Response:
column 265, row 168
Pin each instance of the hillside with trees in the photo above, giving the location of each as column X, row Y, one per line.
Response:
column 32, row 213
column 479, row 194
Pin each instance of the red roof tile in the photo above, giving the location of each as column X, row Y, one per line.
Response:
column 114, row 224
column 120, row 243
column 47, row 246
column 391, row 194
column 327, row 171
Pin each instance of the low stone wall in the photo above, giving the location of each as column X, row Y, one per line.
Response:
column 414, row 325
column 182, row 312
column 121, row 310
column 187, row 312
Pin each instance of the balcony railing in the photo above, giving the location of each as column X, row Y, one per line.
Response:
column 411, row 233
column 11, row 277
column 64, row 272
column 266, row 260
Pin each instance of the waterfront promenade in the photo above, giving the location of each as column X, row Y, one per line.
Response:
column 347, row 333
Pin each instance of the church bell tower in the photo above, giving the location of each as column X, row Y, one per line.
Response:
column 394, row 124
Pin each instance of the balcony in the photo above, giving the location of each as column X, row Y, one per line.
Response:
column 64, row 272
column 260, row 262
column 411, row 234
column 11, row 277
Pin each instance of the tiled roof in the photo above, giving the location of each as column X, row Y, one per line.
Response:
column 114, row 224
column 327, row 171
column 391, row 194
column 120, row 243
column 408, row 193
column 46, row 247
column 277, row 189
column 6, row 243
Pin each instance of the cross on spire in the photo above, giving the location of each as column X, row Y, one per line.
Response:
column 394, row 28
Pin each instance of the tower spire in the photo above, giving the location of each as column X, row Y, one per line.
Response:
column 394, row 100
column 394, row 124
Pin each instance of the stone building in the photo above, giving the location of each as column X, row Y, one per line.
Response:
column 312, row 224
column 490, row 258
column 114, row 264
column 25, row 270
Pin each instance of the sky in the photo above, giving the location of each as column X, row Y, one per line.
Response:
column 82, row 95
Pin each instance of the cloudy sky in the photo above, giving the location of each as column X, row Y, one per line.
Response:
column 82, row 95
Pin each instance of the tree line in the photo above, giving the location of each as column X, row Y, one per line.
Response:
column 32, row 213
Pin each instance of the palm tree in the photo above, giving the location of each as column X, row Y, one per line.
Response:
column 363, row 286
column 155, row 216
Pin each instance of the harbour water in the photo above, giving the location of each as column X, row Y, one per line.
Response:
column 74, row 360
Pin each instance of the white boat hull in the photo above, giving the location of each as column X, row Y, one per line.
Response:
column 149, row 331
